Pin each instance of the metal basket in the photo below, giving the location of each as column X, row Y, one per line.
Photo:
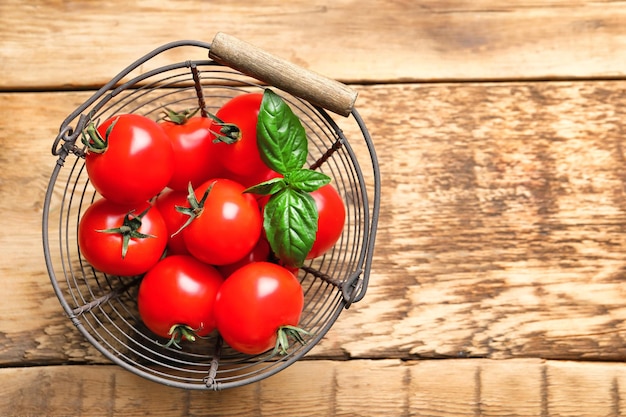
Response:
column 103, row 307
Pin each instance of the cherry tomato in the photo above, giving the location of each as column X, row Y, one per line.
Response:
column 241, row 160
column 177, row 296
column 228, row 225
column 135, row 162
column 254, row 303
column 101, row 235
column 331, row 219
column 166, row 203
column 195, row 155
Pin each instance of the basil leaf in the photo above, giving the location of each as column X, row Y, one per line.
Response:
column 281, row 137
column 268, row 187
column 306, row 180
column 290, row 223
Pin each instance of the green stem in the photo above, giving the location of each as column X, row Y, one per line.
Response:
column 196, row 207
column 180, row 332
column 282, row 339
column 179, row 118
column 129, row 229
column 229, row 132
column 92, row 139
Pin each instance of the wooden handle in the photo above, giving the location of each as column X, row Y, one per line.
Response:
column 250, row 60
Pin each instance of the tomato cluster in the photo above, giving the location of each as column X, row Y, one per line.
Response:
column 184, row 204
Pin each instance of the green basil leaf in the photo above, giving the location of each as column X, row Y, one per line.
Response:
column 306, row 180
column 281, row 137
column 290, row 223
column 268, row 187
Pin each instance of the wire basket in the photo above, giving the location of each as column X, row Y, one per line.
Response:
column 104, row 308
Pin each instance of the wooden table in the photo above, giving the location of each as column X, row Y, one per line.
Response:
column 499, row 277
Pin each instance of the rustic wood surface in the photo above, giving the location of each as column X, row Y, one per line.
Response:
column 498, row 282
column 52, row 44
column 388, row 387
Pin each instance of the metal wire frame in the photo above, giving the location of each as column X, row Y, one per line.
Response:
column 103, row 307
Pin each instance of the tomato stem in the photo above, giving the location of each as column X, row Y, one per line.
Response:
column 181, row 117
column 282, row 339
column 229, row 132
column 180, row 332
column 92, row 139
column 196, row 207
column 129, row 229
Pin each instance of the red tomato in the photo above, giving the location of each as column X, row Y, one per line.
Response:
column 195, row 156
column 177, row 296
column 254, row 303
column 166, row 203
column 102, row 247
column 136, row 164
column 242, row 160
column 331, row 219
column 227, row 227
column 260, row 252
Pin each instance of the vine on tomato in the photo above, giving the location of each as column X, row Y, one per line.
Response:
column 195, row 155
column 129, row 158
column 224, row 224
column 121, row 240
column 177, row 296
column 258, row 306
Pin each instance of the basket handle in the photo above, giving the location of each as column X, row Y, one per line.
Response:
column 250, row 60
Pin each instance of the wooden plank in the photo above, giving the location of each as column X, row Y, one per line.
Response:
column 49, row 45
column 33, row 329
column 469, row 387
column 501, row 231
column 502, row 223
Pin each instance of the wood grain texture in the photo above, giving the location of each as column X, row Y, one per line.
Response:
column 52, row 44
column 502, row 223
column 499, row 275
column 469, row 387
column 501, row 231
